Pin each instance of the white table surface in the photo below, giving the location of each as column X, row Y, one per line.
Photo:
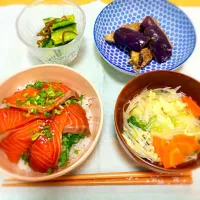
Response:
column 108, row 156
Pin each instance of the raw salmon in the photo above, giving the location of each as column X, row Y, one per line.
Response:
column 44, row 153
column 20, row 99
column 76, row 122
column 14, row 117
column 19, row 140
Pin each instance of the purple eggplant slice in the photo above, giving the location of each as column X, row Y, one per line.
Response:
column 148, row 22
column 134, row 40
column 140, row 59
column 133, row 26
column 159, row 43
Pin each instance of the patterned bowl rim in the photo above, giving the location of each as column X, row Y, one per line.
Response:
column 136, row 73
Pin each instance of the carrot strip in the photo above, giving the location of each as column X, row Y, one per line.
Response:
column 192, row 105
column 186, row 144
column 159, row 145
column 172, row 156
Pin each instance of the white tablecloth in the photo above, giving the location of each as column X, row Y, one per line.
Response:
column 108, row 156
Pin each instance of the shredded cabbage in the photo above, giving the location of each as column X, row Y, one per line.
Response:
column 158, row 112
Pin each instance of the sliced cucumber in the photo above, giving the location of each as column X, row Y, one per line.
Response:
column 68, row 32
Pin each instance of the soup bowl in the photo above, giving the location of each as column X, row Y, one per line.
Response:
column 153, row 80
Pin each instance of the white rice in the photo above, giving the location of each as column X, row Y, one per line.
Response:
column 24, row 166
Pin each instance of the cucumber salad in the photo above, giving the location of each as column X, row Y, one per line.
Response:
column 57, row 31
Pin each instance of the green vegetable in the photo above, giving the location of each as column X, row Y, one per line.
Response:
column 61, row 24
column 24, row 157
column 69, row 101
column 18, row 102
column 49, row 171
column 34, row 111
column 38, row 85
column 46, row 20
column 25, row 94
column 76, row 151
column 47, row 44
column 70, row 17
column 67, row 141
column 56, row 112
column 26, row 114
column 64, row 35
column 35, row 136
column 47, row 114
column 138, row 123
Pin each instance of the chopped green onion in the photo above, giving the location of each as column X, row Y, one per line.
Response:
column 59, row 93
column 8, row 106
column 56, row 112
column 50, row 102
column 28, row 103
column 26, row 114
column 35, row 136
column 38, row 85
column 48, row 134
column 81, row 97
column 25, row 94
column 24, row 157
column 34, row 111
column 46, row 127
column 50, row 92
column 47, row 114
column 18, row 102
column 61, row 107
column 76, row 151
column 49, row 171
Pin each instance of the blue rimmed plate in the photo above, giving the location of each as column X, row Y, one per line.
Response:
column 174, row 22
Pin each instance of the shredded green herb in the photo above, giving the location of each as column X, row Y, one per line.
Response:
column 76, row 151
column 47, row 114
column 18, row 102
column 26, row 114
column 24, row 157
column 34, row 111
column 35, row 136
column 56, row 112
column 80, row 101
column 49, row 171
column 67, row 141
column 38, row 85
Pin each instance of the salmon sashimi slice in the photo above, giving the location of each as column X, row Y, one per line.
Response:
column 19, row 140
column 76, row 122
column 14, row 117
column 41, row 97
column 45, row 152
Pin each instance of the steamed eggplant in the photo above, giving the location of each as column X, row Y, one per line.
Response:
column 147, row 22
column 134, row 40
column 159, row 43
column 109, row 38
column 145, row 41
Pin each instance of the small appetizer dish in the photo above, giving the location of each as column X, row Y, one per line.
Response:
column 137, row 37
column 55, row 32
column 157, row 121
column 50, row 123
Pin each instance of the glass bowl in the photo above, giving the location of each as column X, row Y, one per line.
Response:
column 30, row 22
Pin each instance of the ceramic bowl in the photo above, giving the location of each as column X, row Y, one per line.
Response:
column 52, row 72
column 156, row 79
column 173, row 21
